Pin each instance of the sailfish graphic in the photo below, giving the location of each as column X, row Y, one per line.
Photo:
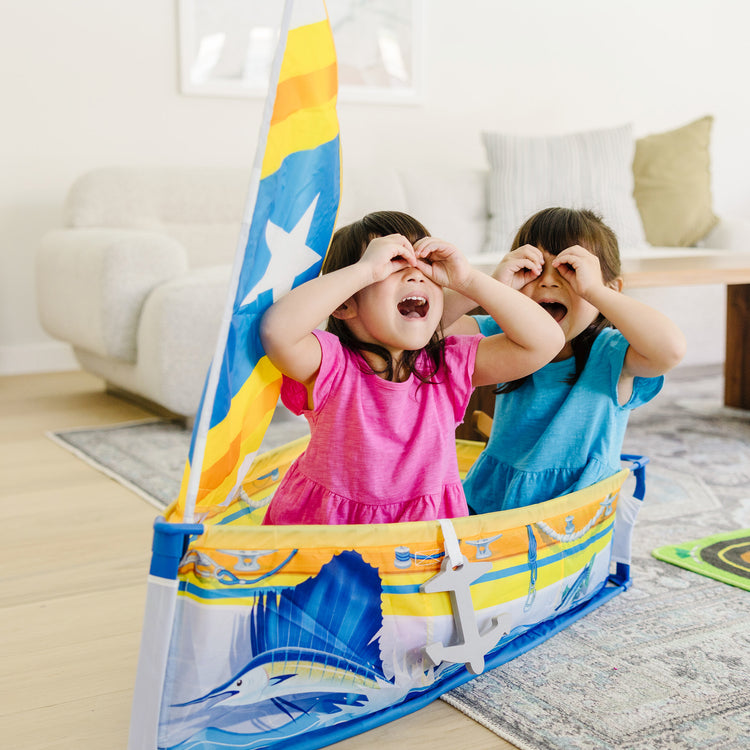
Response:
column 315, row 646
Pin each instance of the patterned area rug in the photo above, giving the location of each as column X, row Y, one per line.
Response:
column 665, row 665
column 149, row 456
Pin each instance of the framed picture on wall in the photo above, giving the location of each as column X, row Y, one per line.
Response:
column 226, row 47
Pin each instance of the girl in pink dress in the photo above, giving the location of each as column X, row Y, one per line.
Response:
column 382, row 389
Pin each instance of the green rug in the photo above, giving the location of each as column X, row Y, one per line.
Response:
column 724, row 557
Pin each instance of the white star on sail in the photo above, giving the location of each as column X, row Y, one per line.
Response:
column 290, row 256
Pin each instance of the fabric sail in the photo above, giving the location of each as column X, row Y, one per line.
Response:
column 289, row 218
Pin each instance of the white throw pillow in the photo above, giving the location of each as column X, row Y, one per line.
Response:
column 581, row 170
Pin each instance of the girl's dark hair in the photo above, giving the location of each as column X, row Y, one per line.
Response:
column 347, row 246
column 554, row 230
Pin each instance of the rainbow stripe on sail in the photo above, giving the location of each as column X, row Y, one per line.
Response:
column 291, row 220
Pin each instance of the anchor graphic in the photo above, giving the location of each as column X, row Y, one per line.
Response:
column 455, row 577
column 247, row 560
column 483, row 546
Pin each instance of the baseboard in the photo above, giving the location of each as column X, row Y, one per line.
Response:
column 53, row 356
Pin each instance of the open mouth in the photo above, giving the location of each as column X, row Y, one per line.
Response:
column 413, row 307
column 555, row 309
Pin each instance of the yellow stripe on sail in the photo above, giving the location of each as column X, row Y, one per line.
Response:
column 240, row 433
column 259, row 392
column 304, row 115
column 308, row 48
column 302, row 131
column 221, row 490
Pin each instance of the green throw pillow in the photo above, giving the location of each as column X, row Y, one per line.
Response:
column 672, row 176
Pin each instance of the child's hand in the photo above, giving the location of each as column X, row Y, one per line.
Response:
column 580, row 269
column 442, row 262
column 386, row 255
column 519, row 267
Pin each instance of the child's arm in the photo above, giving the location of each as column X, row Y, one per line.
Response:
column 656, row 343
column 516, row 269
column 530, row 337
column 286, row 328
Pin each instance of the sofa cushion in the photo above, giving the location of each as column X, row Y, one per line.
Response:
column 672, row 173
column 178, row 335
column 580, row 170
column 92, row 285
column 200, row 207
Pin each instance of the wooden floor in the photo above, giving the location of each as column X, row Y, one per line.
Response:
column 75, row 555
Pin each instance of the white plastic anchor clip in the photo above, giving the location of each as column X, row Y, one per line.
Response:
column 456, row 576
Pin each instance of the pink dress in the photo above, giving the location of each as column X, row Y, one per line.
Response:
column 379, row 452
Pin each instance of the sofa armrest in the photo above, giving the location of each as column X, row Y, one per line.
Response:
column 731, row 233
column 177, row 337
column 92, row 283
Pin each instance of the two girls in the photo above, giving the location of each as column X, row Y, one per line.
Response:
column 382, row 389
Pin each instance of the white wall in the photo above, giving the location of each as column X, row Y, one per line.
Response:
column 89, row 83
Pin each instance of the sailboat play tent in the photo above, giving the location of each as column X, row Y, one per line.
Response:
column 298, row 637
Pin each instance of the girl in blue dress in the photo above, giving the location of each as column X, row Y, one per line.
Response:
column 561, row 428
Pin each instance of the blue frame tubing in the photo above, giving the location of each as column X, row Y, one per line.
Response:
column 169, row 545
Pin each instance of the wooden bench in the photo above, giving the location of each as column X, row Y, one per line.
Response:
column 704, row 267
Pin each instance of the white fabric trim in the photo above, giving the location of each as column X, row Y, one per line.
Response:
column 161, row 601
column 452, row 547
column 628, row 508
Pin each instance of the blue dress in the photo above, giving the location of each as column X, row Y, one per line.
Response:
column 549, row 437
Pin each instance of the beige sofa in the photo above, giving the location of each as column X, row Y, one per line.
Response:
column 136, row 278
